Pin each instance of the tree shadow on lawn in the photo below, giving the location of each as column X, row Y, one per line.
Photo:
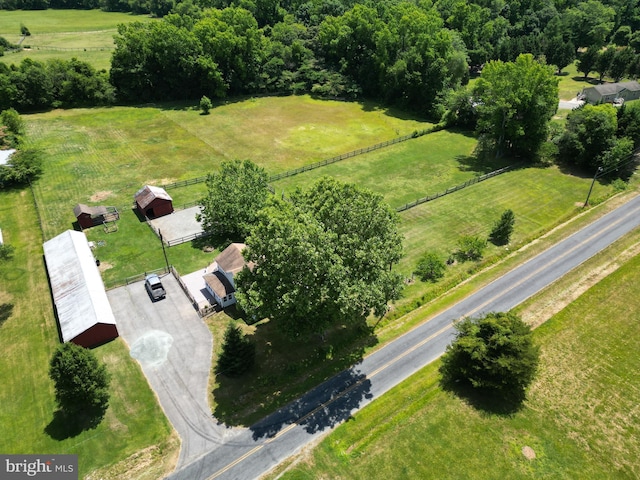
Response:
column 485, row 400
column 479, row 165
column 6, row 309
column 68, row 425
column 589, row 80
column 284, row 372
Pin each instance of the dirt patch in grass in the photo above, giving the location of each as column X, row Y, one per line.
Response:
column 105, row 266
column 155, row 461
column 528, row 453
column 99, row 196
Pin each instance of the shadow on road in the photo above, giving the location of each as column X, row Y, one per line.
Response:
column 323, row 407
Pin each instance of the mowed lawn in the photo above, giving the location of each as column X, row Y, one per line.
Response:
column 84, row 34
column 134, row 423
column 581, row 417
column 403, row 172
column 103, row 156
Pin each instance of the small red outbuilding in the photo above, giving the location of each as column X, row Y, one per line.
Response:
column 153, row 202
column 90, row 216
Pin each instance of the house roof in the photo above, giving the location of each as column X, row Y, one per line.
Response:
column 78, row 292
column 148, row 194
column 231, row 260
column 219, row 283
column 80, row 208
column 5, row 155
column 615, row 88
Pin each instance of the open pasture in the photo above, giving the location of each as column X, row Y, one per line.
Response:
column 103, row 156
column 84, row 34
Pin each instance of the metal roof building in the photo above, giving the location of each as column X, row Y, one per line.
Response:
column 83, row 310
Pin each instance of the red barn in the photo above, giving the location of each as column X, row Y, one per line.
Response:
column 153, row 202
column 90, row 216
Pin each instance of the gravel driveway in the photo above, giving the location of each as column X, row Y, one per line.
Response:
column 173, row 346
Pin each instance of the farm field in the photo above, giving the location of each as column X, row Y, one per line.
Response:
column 134, row 430
column 84, row 34
column 580, row 418
column 102, row 156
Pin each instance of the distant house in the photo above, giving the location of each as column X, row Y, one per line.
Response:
column 608, row 92
column 219, row 280
column 91, row 216
column 82, row 308
column 153, row 202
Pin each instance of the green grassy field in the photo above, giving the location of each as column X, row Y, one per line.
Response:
column 102, row 156
column 84, row 34
column 580, row 418
column 28, row 334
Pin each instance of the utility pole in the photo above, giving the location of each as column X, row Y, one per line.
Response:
column 586, row 202
column 163, row 250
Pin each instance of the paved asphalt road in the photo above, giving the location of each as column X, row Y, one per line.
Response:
column 254, row 451
column 173, row 346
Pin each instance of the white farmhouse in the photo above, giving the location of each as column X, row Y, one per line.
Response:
column 219, row 275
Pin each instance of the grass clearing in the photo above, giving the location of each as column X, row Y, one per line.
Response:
column 102, row 156
column 29, row 335
column 580, row 418
column 406, row 171
column 84, row 34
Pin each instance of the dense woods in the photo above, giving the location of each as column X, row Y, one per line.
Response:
column 414, row 54
column 418, row 55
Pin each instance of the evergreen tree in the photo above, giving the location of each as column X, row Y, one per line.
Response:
column 494, row 354
column 238, row 353
column 503, row 228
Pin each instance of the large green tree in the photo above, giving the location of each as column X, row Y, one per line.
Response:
column 81, row 382
column 234, row 196
column 493, row 354
column 516, row 101
column 23, row 166
column 590, row 138
column 589, row 23
column 322, row 258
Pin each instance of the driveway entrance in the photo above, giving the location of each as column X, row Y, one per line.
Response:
column 173, row 346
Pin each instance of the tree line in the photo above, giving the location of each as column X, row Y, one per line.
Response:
column 410, row 53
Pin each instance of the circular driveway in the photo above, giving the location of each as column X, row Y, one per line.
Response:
column 173, row 346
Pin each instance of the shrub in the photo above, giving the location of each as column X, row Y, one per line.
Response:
column 205, row 105
column 470, row 248
column 430, row 267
